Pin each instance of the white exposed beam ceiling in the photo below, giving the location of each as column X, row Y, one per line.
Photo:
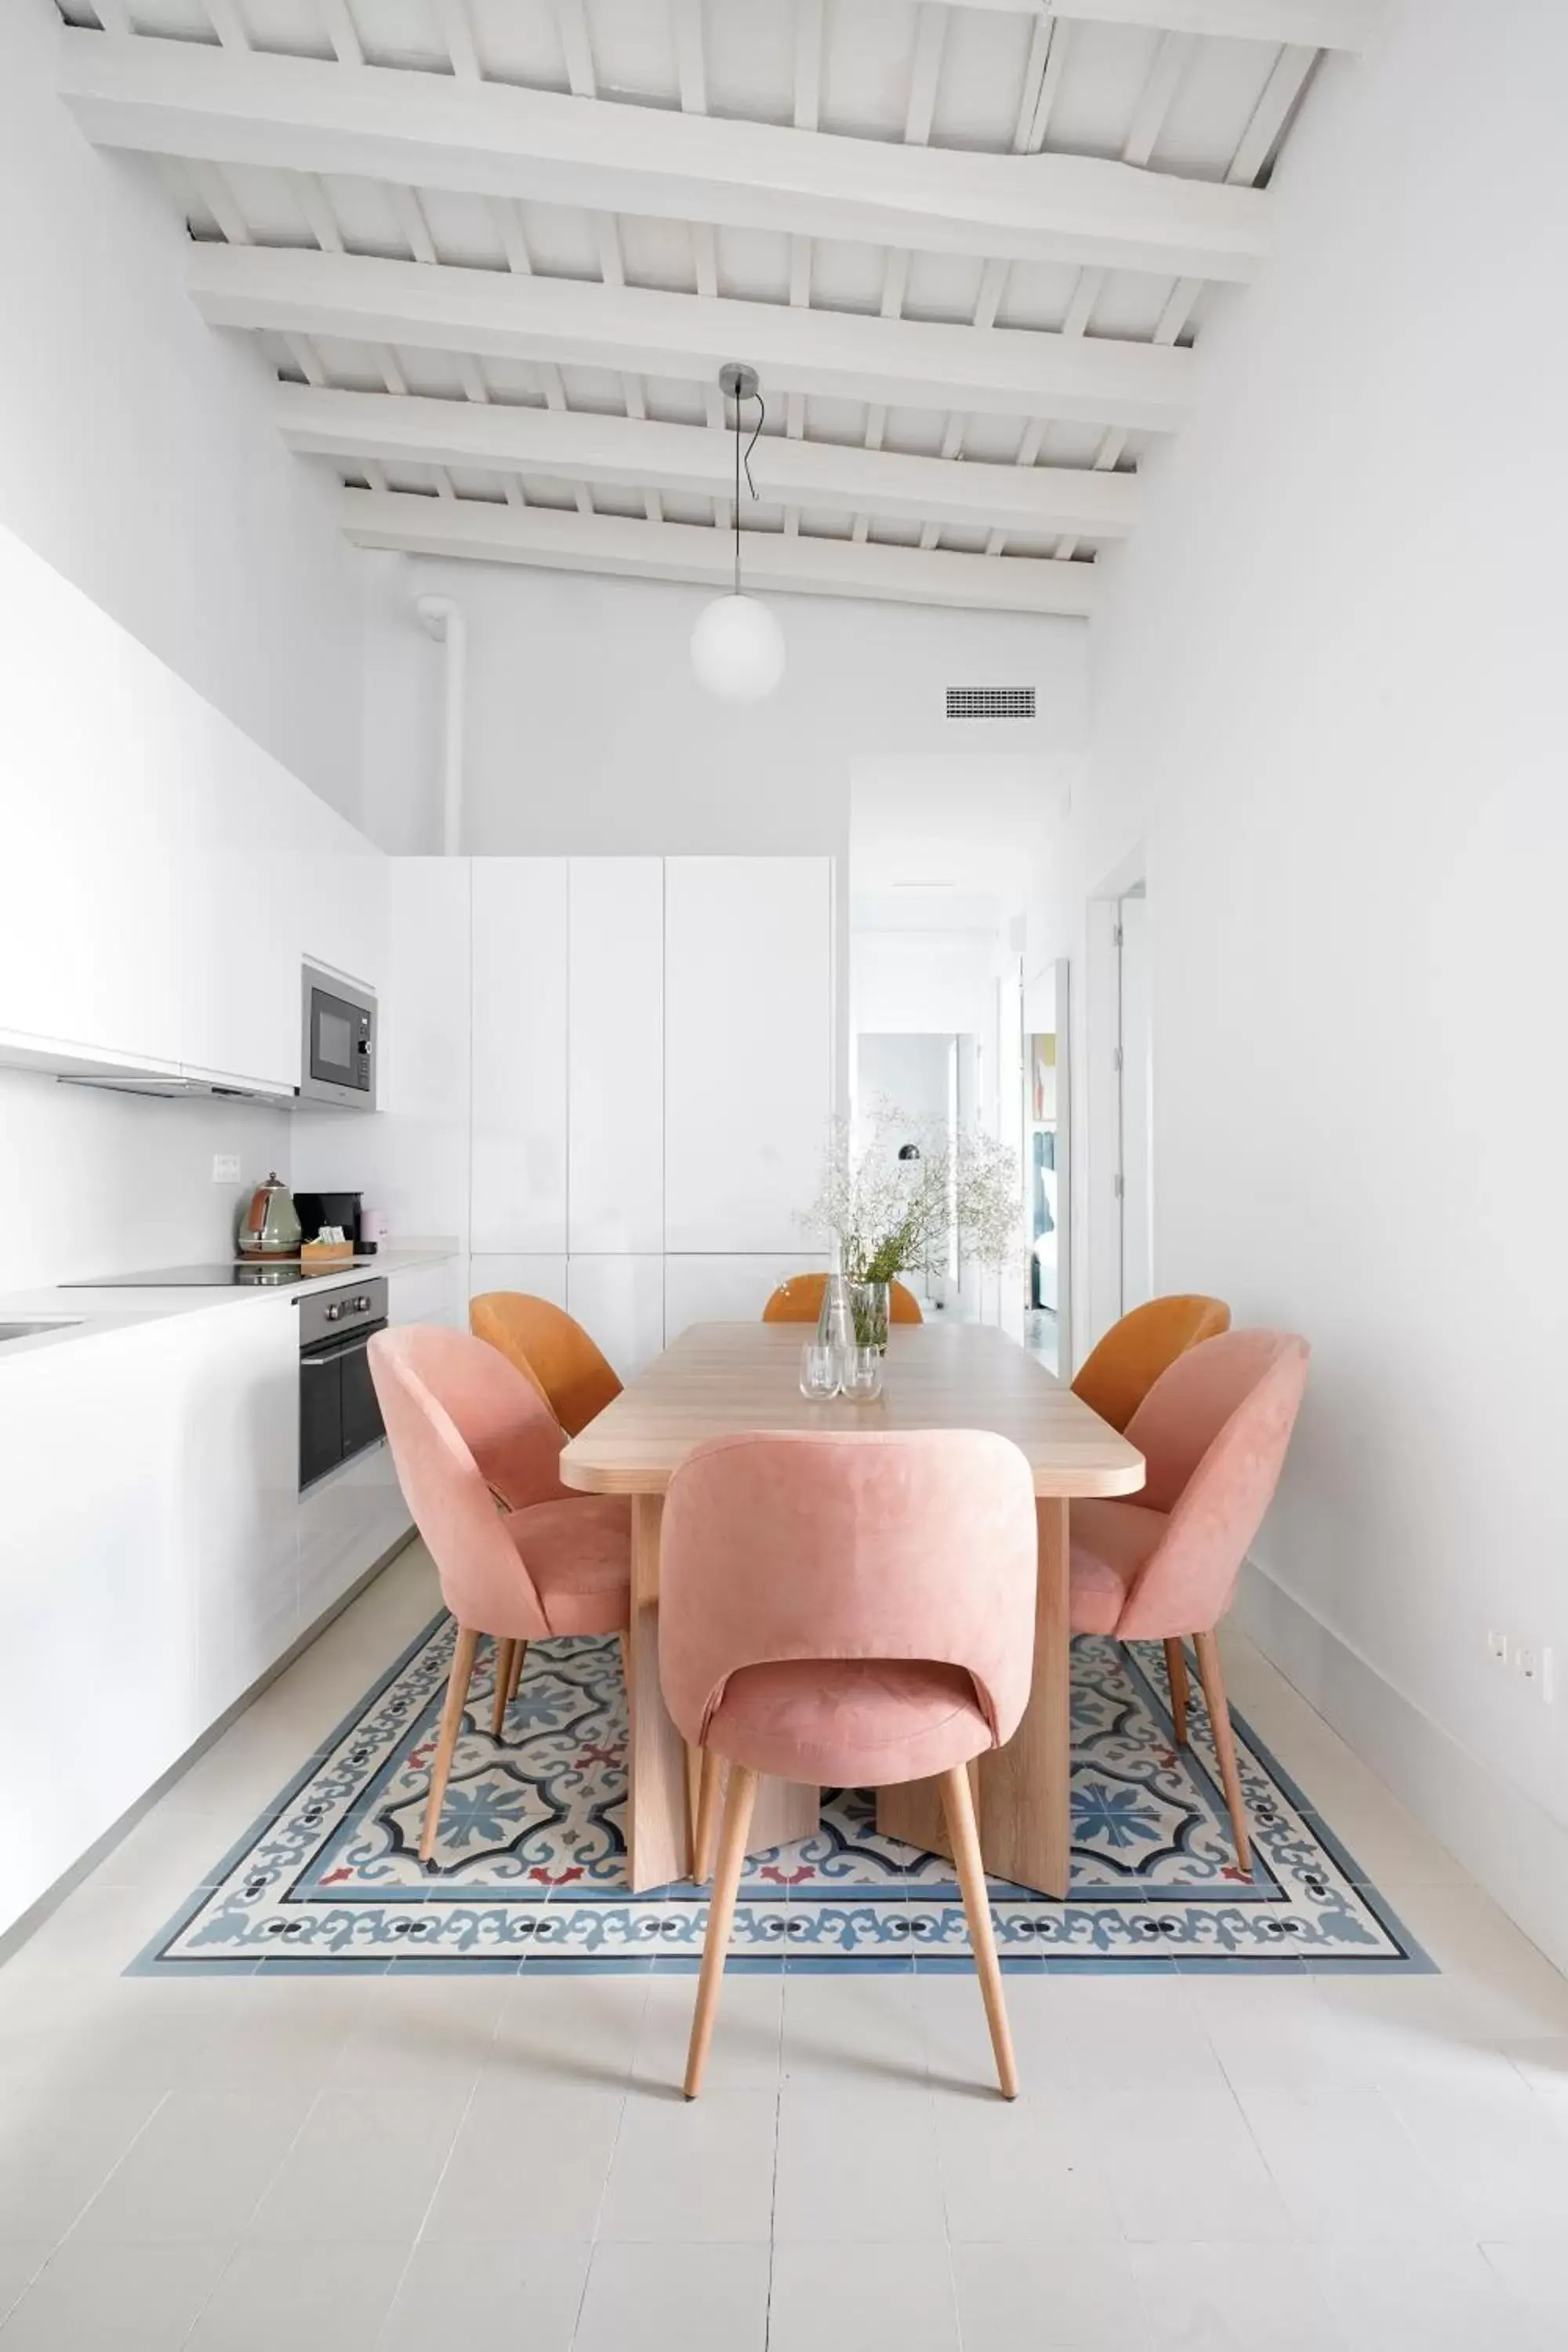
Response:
column 699, row 462
column 562, row 321
column 673, row 550
column 1319, row 24
column 425, row 129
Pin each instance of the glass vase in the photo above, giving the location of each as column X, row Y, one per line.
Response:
column 868, row 1308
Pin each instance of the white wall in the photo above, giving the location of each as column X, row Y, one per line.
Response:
column 94, row 1183
column 1329, row 694
column 587, row 732
column 136, row 454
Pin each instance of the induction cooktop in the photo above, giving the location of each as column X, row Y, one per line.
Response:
column 261, row 1273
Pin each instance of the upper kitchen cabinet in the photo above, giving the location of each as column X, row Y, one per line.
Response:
column 518, row 1196
column 614, row 997
column 167, row 874
column 748, row 948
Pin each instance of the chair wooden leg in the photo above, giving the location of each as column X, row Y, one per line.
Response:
column 1208, row 1648
column 720, row 1914
column 707, row 1817
column 1176, row 1674
column 958, row 1805
column 506, row 1653
column 517, row 1655
column 468, row 1642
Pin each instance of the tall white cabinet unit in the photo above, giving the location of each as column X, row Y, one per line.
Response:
column 652, row 1077
column 748, row 1075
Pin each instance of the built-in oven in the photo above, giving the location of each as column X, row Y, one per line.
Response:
column 338, row 1064
column 339, row 1415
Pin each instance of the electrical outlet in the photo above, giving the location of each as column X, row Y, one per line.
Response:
column 1497, row 1649
column 1524, row 1661
column 226, row 1167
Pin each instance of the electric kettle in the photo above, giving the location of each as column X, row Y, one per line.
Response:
column 269, row 1223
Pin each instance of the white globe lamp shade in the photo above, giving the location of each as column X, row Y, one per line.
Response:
column 738, row 649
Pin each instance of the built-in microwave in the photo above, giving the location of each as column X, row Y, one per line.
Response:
column 338, row 1064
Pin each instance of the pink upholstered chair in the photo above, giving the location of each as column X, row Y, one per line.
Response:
column 468, row 1432
column 853, row 1608
column 1213, row 1431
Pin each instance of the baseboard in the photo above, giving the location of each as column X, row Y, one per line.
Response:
column 1507, row 1842
column 29, row 1921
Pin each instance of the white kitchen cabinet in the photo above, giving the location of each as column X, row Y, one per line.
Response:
column 748, row 1048
column 347, row 1521
column 619, row 1302
column 167, row 871
column 614, row 1000
column 518, row 1184
column 410, row 1156
column 429, row 1294
column 727, row 1289
column 538, row 1278
column 147, row 1571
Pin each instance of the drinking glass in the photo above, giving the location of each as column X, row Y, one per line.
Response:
column 818, row 1373
column 862, row 1373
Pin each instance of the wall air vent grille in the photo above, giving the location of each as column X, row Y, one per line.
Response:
column 990, row 701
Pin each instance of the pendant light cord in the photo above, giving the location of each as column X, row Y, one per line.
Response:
column 761, row 417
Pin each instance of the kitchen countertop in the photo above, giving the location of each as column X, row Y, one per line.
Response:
column 86, row 1313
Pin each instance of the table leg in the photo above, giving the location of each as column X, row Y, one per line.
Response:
column 1025, row 1788
column 658, row 1836
column 911, row 1810
column 660, row 1806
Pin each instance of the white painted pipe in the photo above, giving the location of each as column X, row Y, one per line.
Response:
column 442, row 616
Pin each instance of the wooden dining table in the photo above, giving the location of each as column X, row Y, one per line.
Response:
column 719, row 1380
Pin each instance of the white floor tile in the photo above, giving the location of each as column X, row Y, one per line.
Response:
column 576, row 2033
column 198, row 2171
column 1345, row 2166
column 1535, row 2278
column 840, row 2032
column 745, row 2052
column 675, row 2297
column 514, row 2292
column 1231, row 2298
column 693, row 2169
column 1021, row 2170
column 420, row 2032
column 531, row 2158
column 865, row 2297
column 1049, row 2296
column 366, row 2165
column 857, row 2166
column 311, row 2299
column 1185, row 2166
column 1496, row 2152
column 20, row 2262
column 134, row 2298
column 1450, row 2300
column 55, row 2157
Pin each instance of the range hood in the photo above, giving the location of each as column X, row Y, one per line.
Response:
column 164, row 1087
column 75, row 1065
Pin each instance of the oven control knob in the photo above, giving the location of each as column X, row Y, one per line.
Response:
column 333, row 1311
column 361, row 1304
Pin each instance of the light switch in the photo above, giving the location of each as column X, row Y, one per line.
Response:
column 226, row 1167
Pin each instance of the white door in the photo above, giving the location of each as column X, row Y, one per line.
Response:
column 748, row 1068
column 1137, row 1091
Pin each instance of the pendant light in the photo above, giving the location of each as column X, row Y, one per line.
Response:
column 737, row 645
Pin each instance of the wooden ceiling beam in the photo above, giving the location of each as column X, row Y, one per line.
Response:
column 432, row 130
column 640, row 330
column 693, row 461
column 467, row 528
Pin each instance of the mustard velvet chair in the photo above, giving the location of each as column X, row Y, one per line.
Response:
column 550, row 1349
column 799, row 1300
column 1117, row 1375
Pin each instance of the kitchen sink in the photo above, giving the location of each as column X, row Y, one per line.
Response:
column 26, row 1330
